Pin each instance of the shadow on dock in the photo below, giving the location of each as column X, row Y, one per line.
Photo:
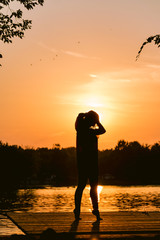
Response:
column 62, row 226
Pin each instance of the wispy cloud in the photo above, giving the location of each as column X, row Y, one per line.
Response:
column 74, row 54
column 66, row 52
column 46, row 47
column 79, row 55
column 93, row 75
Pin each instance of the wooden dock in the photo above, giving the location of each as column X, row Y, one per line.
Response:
column 114, row 224
column 7, row 227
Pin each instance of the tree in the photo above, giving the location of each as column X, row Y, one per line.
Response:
column 155, row 39
column 13, row 24
column 121, row 145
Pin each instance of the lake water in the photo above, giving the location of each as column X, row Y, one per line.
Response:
column 61, row 199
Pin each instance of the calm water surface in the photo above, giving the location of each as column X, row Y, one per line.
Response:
column 61, row 199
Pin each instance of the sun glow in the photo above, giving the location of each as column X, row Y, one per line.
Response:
column 93, row 102
column 99, row 189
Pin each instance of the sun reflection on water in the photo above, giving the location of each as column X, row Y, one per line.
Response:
column 111, row 198
column 86, row 198
column 99, row 190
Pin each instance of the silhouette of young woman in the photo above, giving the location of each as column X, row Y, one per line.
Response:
column 88, row 128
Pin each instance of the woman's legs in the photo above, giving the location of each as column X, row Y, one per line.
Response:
column 78, row 194
column 94, row 195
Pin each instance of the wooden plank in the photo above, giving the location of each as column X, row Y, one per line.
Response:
column 7, row 227
column 112, row 223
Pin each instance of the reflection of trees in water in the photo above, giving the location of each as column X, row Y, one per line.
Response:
column 129, row 201
column 15, row 200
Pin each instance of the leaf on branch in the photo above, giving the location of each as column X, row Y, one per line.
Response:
column 155, row 39
column 10, row 28
column 30, row 4
column 14, row 25
column 19, row 13
column 1, row 57
column 5, row 2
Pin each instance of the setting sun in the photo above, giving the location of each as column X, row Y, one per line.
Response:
column 93, row 102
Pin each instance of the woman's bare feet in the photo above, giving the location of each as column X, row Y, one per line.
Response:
column 96, row 213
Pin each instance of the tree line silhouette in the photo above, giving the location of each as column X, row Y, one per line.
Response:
column 127, row 163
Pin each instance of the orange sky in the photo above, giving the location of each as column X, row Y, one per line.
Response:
column 80, row 55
